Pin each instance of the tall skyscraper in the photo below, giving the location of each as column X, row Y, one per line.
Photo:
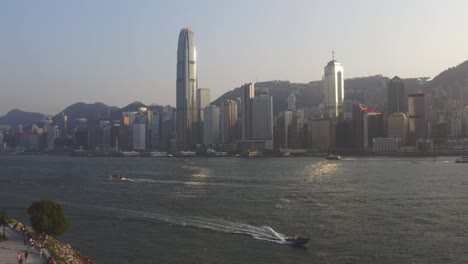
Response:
column 247, row 93
column 333, row 84
column 187, row 114
column 396, row 96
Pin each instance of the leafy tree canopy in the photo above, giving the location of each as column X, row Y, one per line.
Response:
column 48, row 217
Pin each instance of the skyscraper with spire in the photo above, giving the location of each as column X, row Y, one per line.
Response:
column 186, row 115
column 333, row 84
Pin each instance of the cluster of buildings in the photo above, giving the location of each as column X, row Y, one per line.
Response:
column 147, row 128
column 408, row 122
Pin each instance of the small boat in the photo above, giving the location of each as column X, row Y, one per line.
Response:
column 118, row 177
column 296, row 240
column 462, row 160
column 333, row 157
column 255, row 153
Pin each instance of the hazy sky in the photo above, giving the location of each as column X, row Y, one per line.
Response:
column 55, row 53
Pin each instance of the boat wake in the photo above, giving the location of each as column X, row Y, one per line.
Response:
column 179, row 182
column 221, row 225
column 265, row 233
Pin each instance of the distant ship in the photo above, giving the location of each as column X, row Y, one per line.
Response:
column 462, row 160
column 333, row 157
column 185, row 154
column 213, row 153
column 159, row 154
column 130, row 153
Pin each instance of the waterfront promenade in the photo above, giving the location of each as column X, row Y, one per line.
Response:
column 14, row 244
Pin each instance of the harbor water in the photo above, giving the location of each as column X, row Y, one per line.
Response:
column 238, row 210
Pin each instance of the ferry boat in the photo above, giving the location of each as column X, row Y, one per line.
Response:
column 462, row 160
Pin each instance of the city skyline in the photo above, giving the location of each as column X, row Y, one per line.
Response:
column 55, row 54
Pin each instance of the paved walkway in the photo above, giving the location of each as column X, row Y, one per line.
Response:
column 13, row 245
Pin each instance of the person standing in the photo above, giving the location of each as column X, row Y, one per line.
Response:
column 26, row 255
column 19, row 257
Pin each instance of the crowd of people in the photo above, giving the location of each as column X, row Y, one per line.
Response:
column 33, row 245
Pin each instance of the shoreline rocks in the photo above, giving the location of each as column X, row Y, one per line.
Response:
column 62, row 253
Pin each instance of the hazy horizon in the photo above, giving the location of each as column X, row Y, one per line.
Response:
column 56, row 53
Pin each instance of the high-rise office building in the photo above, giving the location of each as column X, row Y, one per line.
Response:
column 187, row 114
column 139, row 136
column 348, row 110
column 211, row 125
column 464, row 122
column 291, row 102
column 417, row 117
column 333, row 84
column 318, row 133
column 203, row 100
column 372, row 127
column 262, row 117
column 156, row 131
column 398, row 127
column 168, row 128
column 396, row 96
column 358, row 125
column 284, row 123
column 455, row 124
column 228, row 120
column 296, row 130
column 247, row 93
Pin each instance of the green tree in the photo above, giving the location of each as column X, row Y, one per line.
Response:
column 48, row 217
column 3, row 222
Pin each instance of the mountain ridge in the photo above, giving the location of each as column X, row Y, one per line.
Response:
column 449, row 91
